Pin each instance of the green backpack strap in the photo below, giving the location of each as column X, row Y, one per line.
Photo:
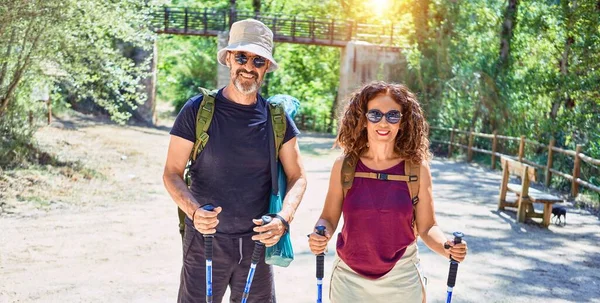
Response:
column 279, row 125
column 203, row 119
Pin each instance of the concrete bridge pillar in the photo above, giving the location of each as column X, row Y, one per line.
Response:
column 222, row 71
column 361, row 63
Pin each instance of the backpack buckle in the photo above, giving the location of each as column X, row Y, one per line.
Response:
column 381, row 176
column 203, row 138
column 208, row 107
column 413, row 178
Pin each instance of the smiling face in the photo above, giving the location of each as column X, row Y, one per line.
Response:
column 244, row 74
column 383, row 131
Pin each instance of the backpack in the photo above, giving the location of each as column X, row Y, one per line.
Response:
column 411, row 177
column 203, row 120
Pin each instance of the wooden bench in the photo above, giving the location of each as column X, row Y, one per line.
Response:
column 526, row 196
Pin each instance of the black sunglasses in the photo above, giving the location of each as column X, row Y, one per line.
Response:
column 242, row 59
column 392, row 117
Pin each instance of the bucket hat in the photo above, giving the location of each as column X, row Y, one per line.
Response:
column 250, row 36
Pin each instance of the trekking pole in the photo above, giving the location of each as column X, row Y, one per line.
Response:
column 208, row 255
column 453, row 267
column 258, row 249
column 320, row 264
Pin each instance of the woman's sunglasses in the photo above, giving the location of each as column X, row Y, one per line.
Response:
column 392, row 117
column 242, row 59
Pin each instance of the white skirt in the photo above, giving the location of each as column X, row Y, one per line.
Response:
column 404, row 283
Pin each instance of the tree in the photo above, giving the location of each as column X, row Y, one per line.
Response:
column 510, row 20
column 76, row 43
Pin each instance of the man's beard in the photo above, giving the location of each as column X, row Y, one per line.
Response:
column 246, row 87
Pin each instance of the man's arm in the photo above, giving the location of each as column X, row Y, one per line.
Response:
column 289, row 155
column 177, row 157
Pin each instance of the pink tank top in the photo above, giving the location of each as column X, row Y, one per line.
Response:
column 377, row 223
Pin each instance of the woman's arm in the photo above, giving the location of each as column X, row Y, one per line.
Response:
column 332, row 210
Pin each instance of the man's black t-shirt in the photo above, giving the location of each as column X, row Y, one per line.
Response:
column 233, row 171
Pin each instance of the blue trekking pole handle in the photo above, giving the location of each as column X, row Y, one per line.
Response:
column 453, row 268
column 320, row 264
column 208, row 255
column 258, row 249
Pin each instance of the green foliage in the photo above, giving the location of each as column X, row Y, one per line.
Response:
column 548, row 89
column 309, row 73
column 185, row 63
column 97, row 51
column 78, row 43
column 462, row 85
column 15, row 138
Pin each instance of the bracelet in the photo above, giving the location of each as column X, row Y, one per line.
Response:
column 285, row 223
column 194, row 214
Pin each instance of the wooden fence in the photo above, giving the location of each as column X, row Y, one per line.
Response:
column 577, row 155
column 319, row 123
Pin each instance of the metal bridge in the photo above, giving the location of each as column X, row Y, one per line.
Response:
column 292, row 29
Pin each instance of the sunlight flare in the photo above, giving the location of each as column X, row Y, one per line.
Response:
column 380, row 6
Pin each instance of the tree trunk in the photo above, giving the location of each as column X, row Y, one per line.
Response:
column 420, row 12
column 17, row 78
column 568, row 7
column 4, row 68
column 510, row 20
column 490, row 97
column 256, row 5
column 265, row 88
column 476, row 115
column 332, row 113
column 232, row 12
column 21, row 66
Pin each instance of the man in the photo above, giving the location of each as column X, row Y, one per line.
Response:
column 233, row 172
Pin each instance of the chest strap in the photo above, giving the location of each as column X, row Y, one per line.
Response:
column 386, row 177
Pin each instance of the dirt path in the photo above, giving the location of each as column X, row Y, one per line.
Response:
column 113, row 238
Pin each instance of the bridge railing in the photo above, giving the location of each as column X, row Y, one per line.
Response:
column 297, row 28
column 378, row 34
column 189, row 21
column 322, row 31
column 468, row 141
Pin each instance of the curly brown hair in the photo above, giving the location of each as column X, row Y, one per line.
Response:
column 412, row 141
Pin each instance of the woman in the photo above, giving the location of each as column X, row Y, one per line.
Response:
column 383, row 133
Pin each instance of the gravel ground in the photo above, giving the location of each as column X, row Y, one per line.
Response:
column 101, row 228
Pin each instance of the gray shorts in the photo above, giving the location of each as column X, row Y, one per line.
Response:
column 231, row 262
